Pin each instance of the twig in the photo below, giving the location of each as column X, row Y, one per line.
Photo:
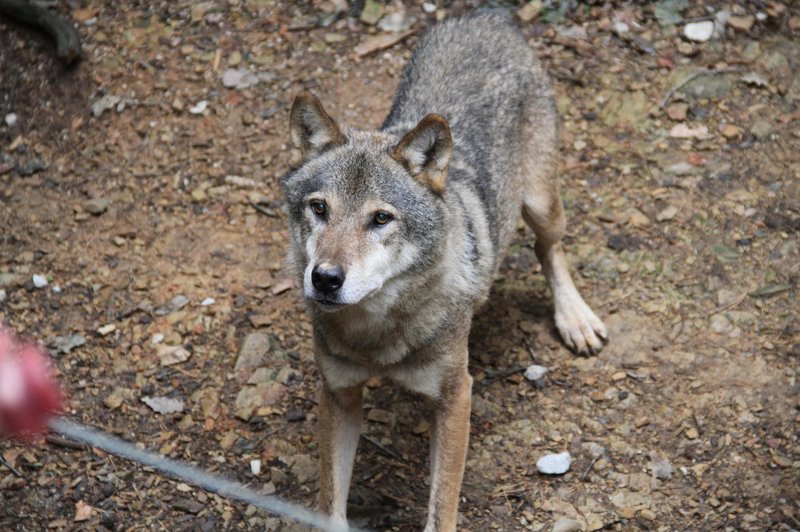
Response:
column 503, row 373
column 383, row 449
column 529, row 347
column 52, row 439
column 10, row 467
column 591, row 465
column 729, row 306
column 694, row 75
column 264, row 210
column 697, row 423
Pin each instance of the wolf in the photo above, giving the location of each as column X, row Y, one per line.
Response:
column 396, row 235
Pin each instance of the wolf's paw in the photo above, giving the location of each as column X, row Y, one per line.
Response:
column 580, row 328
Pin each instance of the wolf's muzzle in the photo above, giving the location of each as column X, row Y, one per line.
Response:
column 327, row 278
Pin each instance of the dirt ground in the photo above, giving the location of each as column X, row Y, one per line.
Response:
column 156, row 221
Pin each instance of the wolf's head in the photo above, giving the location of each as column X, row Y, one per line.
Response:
column 365, row 207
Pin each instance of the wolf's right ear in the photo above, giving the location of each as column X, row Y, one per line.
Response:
column 312, row 130
column 425, row 152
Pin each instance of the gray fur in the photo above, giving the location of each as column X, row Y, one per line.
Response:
column 480, row 74
column 469, row 141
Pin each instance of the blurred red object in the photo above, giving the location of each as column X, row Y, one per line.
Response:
column 28, row 393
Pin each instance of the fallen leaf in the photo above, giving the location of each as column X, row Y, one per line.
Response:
column 380, row 42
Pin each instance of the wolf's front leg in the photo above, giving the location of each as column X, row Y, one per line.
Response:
column 449, row 442
column 340, row 414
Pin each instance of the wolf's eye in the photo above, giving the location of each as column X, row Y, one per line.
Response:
column 319, row 208
column 382, row 218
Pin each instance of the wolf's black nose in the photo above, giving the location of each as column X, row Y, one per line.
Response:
column 327, row 278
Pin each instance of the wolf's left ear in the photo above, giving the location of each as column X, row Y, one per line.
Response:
column 425, row 152
column 312, row 130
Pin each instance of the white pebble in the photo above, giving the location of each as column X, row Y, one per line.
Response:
column 255, row 466
column 39, row 281
column 208, row 301
column 554, row 464
column 11, row 119
column 535, row 373
column 429, row 8
column 199, row 108
column 56, row 289
column 699, row 31
column 157, row 338
column 2, row 295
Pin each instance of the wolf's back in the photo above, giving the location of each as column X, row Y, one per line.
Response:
column 476, row 71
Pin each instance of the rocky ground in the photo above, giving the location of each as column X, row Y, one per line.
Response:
column 142, row 239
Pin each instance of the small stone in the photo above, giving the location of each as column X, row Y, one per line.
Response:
column 199, row 108
column 429, row 8
column 2, row 295
column 396, row 22
column 731, row 131
column 208, row 302
column 566, row 525
column 618, row 376
column 661, row 468
column 174, row 305
column 686, row 48
column 304, row 468
column 720, row 324
column 782, row 461
column 188, row 506
column 106, row 329
column 752, row 50
column 677, row 111
column 530, row 11
column 554, row 464
column 115, row 399
column 333, row 38
column 379, row 416
column 170, row 355
column 228, row 439
column 235, row 58
column 251, row 398
column 199, row 195
column 39, row 281
column 637, row 218
column 371, row 13
column 164, row 405
column 535, row 372
column 761, row 128
column 692, row 433
column 96, row 206
column 255, row 467
column 699, row 31
column 253, row 353
column 594, row 449
column 11, row 119
column 741, row 23
column 726, row 297
column 667, row 214
column 303, row 22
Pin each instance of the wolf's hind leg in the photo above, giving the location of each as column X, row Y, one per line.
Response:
column 580, row 328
